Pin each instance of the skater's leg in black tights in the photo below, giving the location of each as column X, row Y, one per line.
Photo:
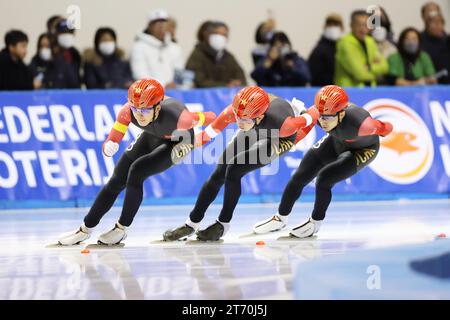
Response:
column 344, row 167
column 212, row 186
column 109, row 193
column 321, row 154
column 150, row 164
column 244, row 162
column 305, row 173
column 208, row 193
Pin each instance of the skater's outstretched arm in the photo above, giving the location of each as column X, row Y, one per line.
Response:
column 371, row 126
column 303, row 132
column 120, row 127
column 189, row 119
column 218, row 125
column 294, row 124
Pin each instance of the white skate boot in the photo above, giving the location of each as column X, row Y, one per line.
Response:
column 275, row 223
column 113, row 236
column 76, row 237
column 307, row 229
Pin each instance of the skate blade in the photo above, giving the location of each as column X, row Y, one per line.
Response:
column 253, row 234
column 220, row 241
column 105, row 246
column 61, row 246
column 295, row 239
column 162, row 241
column 248, row 235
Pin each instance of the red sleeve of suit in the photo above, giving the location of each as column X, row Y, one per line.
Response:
column 188, row 120
column 120, row 127
column 218, row 125
column 301, row 124
column 371, row 126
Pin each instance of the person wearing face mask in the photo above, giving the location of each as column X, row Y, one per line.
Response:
column 269, row 128
column 14, row 74
column 411, row 65
column 429, row 7
column 104, row 65
column 167, row 137
column 49, row 71
column 65, row 47
column 282, row 67
column 321, row 60
column 436, row 42
column 211, row 62
column 171, row 33
column 263, row 35
column 154, row 54
column 52, row 22
column 383, row 35
column 359, row 63
column 350, row 145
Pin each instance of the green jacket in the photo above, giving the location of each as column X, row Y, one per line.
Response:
column 423, row 67
column 212, row 72
column 351, row 69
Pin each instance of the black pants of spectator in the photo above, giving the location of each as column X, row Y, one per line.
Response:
column 240, row 157
column 329, row 165
column 147, row 156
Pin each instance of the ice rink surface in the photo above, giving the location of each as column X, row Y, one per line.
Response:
column 354, row 234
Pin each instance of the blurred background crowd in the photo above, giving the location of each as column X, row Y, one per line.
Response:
column 368, row 54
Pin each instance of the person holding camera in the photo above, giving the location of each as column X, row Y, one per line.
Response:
column 282, row 66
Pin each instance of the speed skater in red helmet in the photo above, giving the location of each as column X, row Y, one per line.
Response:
column 167, row 137
column 269, row 127
column 351, row 144
column 248, row 109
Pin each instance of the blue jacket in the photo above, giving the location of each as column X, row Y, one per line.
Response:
column 281, row 75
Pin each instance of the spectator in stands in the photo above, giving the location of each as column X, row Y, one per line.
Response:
column 104, row 65
column 203, row 31
column 437, row 44
column 14, row 74
column 321, row 61
column 282, row 66
column 428, row 8
column 172, row 29
column 65, row 48
column 212, row 63
column 154, row 54
column 358, row 60
column 263, row 35
column 51, row 71
column 411, row 65
column 383, row 34
column 52, row 22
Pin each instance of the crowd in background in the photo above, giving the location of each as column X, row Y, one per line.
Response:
column 366, row 56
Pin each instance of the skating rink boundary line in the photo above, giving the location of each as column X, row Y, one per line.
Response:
column 244, row 205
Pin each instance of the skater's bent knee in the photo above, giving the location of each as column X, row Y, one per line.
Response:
column 115, row 184
column 324, row 182
column 234, row 171
column 135, row 176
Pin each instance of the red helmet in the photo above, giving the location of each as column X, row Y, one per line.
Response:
column 145, row 93
column 330, row 100
column 250, row 102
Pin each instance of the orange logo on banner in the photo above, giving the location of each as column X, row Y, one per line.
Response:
column 406, row 155
column 400, row 142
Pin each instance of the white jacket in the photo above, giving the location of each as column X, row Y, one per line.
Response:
column 151, row 57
